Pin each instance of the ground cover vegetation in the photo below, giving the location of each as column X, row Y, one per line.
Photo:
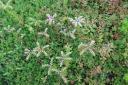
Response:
column 63, row 42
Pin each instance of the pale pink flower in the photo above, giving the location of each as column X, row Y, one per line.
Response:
column 50, row 18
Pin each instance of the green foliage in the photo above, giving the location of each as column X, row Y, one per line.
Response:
column 124, row 26
column 65, row 2
column 126, row 77
column 80, row 46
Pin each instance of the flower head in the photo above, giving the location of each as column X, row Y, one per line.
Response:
column 64, row 57
column 27, row 53
column 39, row 49
column 50, row 18
column 105, row 50
column 64, row 31
column 9, row 29
column 5, row 6
column 70, row 33
column 77, row 21
column 44, row 33
column 49, row 66
column 86, row 47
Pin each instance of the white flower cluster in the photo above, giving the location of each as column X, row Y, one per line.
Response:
column 50, row 19
column 105, row 50
column 44, row 33
column 64, row 55
column 5, row 6
column 87, row 47
column 78, row 21
column 70, row 33
column 62, row 59
column 36, row 51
